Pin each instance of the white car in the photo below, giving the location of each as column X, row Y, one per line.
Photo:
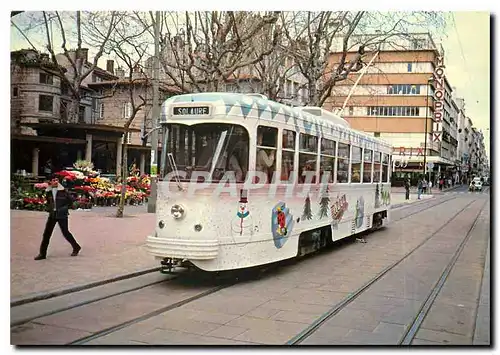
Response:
column 476, row 185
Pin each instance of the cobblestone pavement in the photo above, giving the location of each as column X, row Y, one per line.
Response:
column 286, row 301
column 110, row 247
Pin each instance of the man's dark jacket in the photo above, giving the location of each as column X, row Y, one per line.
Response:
column 63, row 202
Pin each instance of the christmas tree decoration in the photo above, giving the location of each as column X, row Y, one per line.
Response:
column 323, row 209
column 377, row 196
column 324, row 203
column 307, row 209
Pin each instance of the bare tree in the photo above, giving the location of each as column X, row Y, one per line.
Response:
column 311, row 36
column 127, row 43
column 203, row 50
column 73, row 66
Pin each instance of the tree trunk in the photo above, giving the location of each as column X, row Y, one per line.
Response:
column 72, row 111
column 121, row 204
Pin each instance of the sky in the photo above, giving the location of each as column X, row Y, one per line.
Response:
column 466, row 43
column 467, row 60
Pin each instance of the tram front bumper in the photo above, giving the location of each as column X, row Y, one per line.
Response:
column 182, row 248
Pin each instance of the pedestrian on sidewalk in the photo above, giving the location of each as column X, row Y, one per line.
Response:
column 58, row 203
column 420, row 185
column 430, row 187
column 407, row 189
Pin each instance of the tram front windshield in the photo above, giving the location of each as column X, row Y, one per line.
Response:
column 214, row 148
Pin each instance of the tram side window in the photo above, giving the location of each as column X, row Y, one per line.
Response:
column 385, row 167
column 376, row 167
column 343, row 163
column 367, row 167
column 308, row 152
column 327, row 160
column 356, row 164
column 267, row 138
column 287, row 155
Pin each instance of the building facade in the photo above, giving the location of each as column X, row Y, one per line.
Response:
column 405, row 98
column 40, row 134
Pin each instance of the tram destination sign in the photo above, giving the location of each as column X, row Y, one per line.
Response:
column 191, row 111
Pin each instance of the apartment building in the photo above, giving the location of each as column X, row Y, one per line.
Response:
column 41, row 132
column 406, row 99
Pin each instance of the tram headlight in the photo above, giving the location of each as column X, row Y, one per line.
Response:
column 177, row 211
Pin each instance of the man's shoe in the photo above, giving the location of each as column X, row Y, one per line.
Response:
column 40, row 257
column 76, row 251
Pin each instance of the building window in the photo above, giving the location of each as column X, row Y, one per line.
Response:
column 308, row 151
column 403, row 89
column 101, row 111
column 327, row 160
column 351, row 110
column 46, row 79
column 127, row 110
column 128, row 138
column 356, row 164
column 376, row 134
column 409, row 67
column 15, row 92
column 393, row 111
column 46, row 103
column 287, row 155
column 81, row 114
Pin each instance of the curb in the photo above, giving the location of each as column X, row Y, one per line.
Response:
column 63, row 291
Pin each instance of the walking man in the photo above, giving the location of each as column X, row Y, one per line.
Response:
column 58, row 203
column 407, row 189
column 420, row 185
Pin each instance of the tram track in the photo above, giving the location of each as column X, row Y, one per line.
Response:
column 412, row 330
column 204, row 293
column 147, row 316
column 25, row 319
column 82, row 288
column 308, row 331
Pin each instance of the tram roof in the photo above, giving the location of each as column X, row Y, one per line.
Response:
column 247, row 102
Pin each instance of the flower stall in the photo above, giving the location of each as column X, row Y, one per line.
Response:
column 87, row 188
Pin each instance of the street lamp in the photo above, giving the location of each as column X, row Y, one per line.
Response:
column 429, row 81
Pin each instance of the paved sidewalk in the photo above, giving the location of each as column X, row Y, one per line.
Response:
column 110, row 247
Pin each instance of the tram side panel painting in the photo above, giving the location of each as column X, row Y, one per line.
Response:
column 281, row 224
column 319, row 174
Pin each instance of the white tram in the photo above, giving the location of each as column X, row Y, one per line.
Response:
column 325, row 181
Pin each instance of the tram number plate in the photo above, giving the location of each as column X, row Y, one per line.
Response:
column 191, row 110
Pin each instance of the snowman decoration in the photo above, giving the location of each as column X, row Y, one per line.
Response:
column 241, row 224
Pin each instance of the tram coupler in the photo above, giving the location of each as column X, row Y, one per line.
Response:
column 168, row 265
column 172, row 265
